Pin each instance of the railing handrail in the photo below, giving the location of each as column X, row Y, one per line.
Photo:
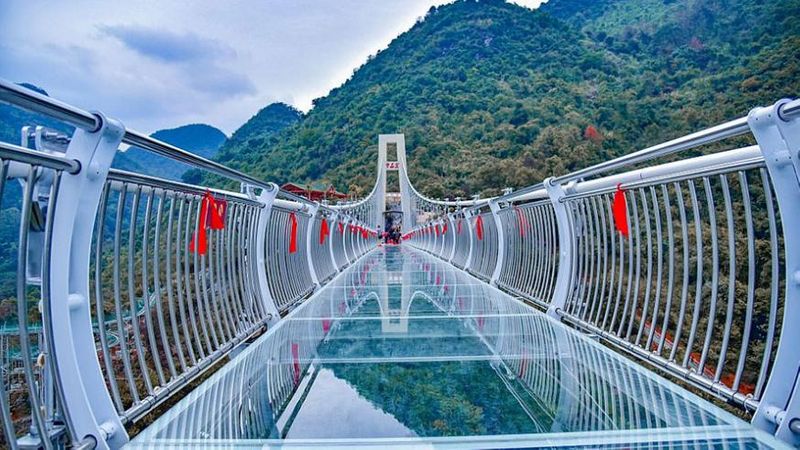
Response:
column 126, row 176
column 22, row 97
column 26, row 155
column 733, row 128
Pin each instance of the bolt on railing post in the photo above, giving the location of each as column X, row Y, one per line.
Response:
column 564, row 279
column 309, row 231
column 88, row 407
column 267, row 198
column 498, row 267
column 779, row 139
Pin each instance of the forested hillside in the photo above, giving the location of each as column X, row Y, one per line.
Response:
column 490, row 94
column 200, row 139
column 258, row 132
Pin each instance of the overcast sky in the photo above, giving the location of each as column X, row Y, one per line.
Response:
column 160, row 64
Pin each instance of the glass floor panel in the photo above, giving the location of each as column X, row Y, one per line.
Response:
column 403, row 350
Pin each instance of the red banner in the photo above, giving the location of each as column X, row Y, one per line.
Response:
column 323, row 231
column 212, row 214
column 479, row 227
column 216, row 210
column 296, row 361
column 621, row 211
column 522, row 222
column 292, row 233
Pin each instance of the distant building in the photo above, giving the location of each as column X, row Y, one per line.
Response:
column 314, row 192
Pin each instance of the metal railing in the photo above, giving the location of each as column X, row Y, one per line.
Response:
column 112, row 305
column 107, row 292
column 703, row 283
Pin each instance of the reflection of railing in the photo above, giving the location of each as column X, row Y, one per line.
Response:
column 703, row 283
column 94, row 242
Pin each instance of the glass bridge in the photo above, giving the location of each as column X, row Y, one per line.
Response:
column 403, row 349
column 590, row 310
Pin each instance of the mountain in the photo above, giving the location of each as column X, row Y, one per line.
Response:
column 200, row 139
column 261, row 130
column 490, row 94
column 12, row 119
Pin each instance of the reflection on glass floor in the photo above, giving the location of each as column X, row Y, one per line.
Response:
column 404, row 350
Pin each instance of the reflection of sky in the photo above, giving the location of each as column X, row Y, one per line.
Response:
column 333, row 409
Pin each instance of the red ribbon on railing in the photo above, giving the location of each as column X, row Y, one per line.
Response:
column 522, row 222
column 216, row 209
column 458, row 227
column 212, row 214
column 341, row 228
column 620, row 210
column 292, row 233
column 199, row 243
column 323, row 231
column 444, row 228
column 296, row 361
column 364, row 233
column 438, row 231
column 479, row 227
column 523, row 366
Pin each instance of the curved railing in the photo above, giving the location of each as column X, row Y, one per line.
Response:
column 117, row 305
column 704, row 282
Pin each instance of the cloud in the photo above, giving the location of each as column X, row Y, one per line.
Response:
column 167, row 46
column 202, row 63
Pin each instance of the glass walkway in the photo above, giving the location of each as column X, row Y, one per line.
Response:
column 404, row 350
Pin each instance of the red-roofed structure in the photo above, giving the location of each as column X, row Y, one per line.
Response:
column 314, row 193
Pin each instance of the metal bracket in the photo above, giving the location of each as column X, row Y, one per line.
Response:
column 467, row 216
column 313, row 212
column 566, row 248
column 451, row 226
column 90, row 411
column 267, row 198
column 779, row 141
column 333, row 233
column 501, row 242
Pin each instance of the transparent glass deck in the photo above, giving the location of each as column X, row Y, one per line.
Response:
column 403, row 350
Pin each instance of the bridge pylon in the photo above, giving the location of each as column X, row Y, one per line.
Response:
column 395, row 162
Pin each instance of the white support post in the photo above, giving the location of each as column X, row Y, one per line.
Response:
column 779, row 139
column 348, row 232
column 563, row 288
column 452, row 228
column 309, row 231
column 501, row 243
column 467, row 216
column 267, row 198
column 331, row 230
column 90, row 412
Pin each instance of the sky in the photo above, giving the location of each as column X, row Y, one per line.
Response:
column 160, row 64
